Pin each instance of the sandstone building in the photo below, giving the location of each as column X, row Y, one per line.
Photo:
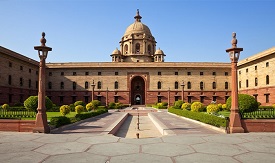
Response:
column 137, row 75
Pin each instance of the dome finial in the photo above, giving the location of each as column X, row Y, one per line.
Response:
column 234, row 41
column 138, row 17
column 43, row 40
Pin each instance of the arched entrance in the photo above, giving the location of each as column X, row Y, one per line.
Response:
column 137, row 91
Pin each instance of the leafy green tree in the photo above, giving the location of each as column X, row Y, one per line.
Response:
column 65, row 109
column 246, row 103
column 31, row 103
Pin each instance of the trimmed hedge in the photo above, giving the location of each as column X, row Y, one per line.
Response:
column 90, row 114
column 62, row 120
column 202, row 117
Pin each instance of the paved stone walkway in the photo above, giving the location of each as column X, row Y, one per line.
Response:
column 98, row 147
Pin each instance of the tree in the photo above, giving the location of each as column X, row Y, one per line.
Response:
column 246, row 103
column 31, row 103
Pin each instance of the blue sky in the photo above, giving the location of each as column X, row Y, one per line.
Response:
column 89, row 30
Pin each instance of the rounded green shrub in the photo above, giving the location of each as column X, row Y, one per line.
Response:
column 186, row 106
column 224, row 107
column 118, row 105
column 31, row 103
column 165, row 103
column 220, row 106
column 212, row 108
column 246, row 103
column 178, row 104
column 65, row 109
column 197, row 107
column 5, row 106
column 89, row 106
column 79, row 109
column 79, row 103
column 111, row 105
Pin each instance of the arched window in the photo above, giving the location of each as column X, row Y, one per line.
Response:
column 256, row 81
column 50, row 85
column 267, row 79
column 247, row 84
column 214, row 85
column 62, row 85
column 30, row 83
column 74, row 85
column 86, row 85
column 201, row 85
column 159, row 85
column 99, row 85
column 149, row 49
column 116, row 85
column 189, row 85
column 176, row 85
column 21, row 82
column 226, row 85
column 137, row 48
column 126, row 49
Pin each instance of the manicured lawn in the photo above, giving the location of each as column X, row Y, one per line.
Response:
column 53, row 114
column 225, row 113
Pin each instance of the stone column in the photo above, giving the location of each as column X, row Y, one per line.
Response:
column 235, row 118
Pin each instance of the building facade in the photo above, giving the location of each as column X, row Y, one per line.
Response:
column 137, row 75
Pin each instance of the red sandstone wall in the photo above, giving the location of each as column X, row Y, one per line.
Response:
column 258, row 125
column 16, row 125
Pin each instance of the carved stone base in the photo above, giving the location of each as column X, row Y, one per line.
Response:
column 41, row 124
column 235, row 122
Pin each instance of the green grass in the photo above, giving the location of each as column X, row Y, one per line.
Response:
column 53, row 114
column 224, row 113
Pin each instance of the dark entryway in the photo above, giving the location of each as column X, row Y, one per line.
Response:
column 137, row 91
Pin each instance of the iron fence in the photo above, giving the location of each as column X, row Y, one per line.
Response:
column 260, row 113
column 17, row 114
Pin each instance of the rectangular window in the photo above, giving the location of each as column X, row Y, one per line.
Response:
column 30, row 83
column 176, row 85
column 116, row 73
column 240, row 72
column 267, row 64
column 246, row 70
column 159, row 99
column 74, row 73
column 247, row 83
column 61, row 99
column 116, row 99
column 176, row 73
column 50, row 73
column 99, row 98
column 266, row 98
column 36, row 72
column 225, row 73
column 73, row 99
column 256, row 97
column 176, row 98
column 21, row 82
column 240, row 84
column 99, row 73
column 256, row 81
column 214, row 98
column 188, row 73
column 9, row 80
column 86, row 99
column 21, row 67
column 62, row 73
column 256, row 67
column 213, row 73
column 201, row 73
column 201, row 99
column 189, row 99
column 30, row 70
column 10, row 64
column 86, row 73
column 159, row 73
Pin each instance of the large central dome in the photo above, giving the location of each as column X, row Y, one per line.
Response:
column 137, row 27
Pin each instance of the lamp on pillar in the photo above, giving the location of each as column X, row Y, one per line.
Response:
column 107, row 97
column 41, row 124
column 93, row 89
column 182, row 91
column 168, row 98
column 235, row 118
